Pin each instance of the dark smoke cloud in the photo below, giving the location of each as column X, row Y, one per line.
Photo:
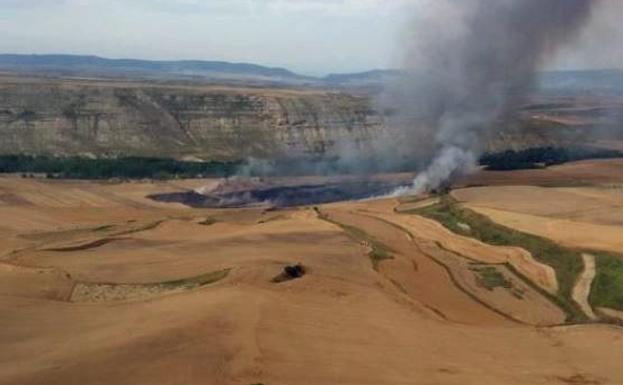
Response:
column 471, row 63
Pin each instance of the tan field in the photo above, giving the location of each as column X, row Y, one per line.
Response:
column 582, row 217
column 587, row 218
column 99, row 285
column 574, row 174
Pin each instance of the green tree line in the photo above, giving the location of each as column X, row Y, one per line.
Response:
column 124, row 168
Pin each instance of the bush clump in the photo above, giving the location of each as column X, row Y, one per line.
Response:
column 290, row 272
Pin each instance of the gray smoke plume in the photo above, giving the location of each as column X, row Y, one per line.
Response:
column 471, row 63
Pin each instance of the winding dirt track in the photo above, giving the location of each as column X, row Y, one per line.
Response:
column 582, row 288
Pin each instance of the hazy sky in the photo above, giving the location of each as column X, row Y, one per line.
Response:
column 309, row 36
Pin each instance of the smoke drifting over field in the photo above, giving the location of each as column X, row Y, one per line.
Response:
column 472, row 62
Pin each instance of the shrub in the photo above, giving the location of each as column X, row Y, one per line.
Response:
column 290, row 272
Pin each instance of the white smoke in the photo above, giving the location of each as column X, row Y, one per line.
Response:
column 449, row 162
column 472, row 63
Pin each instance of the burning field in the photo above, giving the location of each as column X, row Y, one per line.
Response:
column 281, row 192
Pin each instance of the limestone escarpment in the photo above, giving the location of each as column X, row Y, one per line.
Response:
column 110, row 119
column 98, row 118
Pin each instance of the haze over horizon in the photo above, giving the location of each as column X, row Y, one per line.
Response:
column 312, row 37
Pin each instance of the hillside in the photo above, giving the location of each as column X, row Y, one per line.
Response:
column 75, row 65
column 97, row 118
column 607, row 81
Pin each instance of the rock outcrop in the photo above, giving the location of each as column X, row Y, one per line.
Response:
column 99, row 118
column 60, row 117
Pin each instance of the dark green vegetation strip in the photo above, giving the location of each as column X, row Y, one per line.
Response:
column 379, row 251
column 123, row 168
column 208, row 221
column 194, row 282
column 543, row 156
column 567, row 263
column 607, row 288
column 491, row 278
column 137, row 167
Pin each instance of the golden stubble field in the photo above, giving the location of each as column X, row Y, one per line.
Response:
column 99, row 285
column 582, row 217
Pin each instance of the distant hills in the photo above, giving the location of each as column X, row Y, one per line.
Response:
column 608, row 81
column 94, row 66
column 73, row 65
column 599, row 81
column 368, row 77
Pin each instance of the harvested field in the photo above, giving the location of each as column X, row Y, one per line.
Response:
column 583, row 173
column 447, row 299
column 582, row 231
column 150, row 304
column 566, row 263
column 539, row 273
column 569, row 233
column 50, row 284
column 516, row 303
column 588, row 218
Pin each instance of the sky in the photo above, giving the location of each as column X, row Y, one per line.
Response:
column 313, row 37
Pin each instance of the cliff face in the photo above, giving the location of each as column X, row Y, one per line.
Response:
column 108, row 118
column 104, row 119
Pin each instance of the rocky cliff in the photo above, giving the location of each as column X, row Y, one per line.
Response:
column 57, row 117
column 112, row 118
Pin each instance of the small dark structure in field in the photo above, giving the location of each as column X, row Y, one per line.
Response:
column 290, row 272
